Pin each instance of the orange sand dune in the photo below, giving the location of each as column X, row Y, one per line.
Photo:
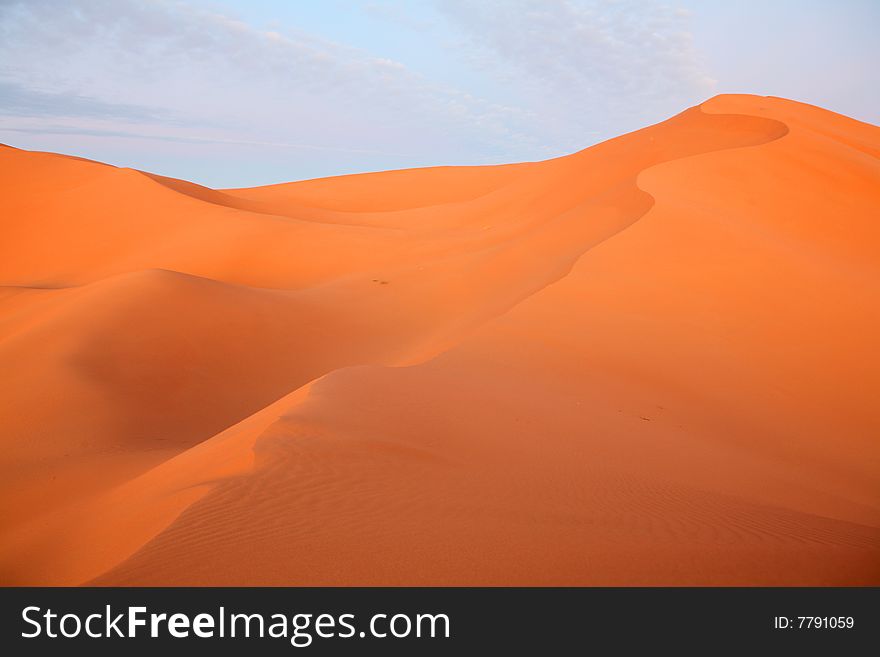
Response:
column 650, row 362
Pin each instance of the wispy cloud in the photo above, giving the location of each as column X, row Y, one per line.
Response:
column 19, row 100
column 595, row 64
column 149, row 59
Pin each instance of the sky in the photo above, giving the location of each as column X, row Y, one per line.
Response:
column 234, row 93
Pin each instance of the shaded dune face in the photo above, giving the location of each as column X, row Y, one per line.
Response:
column 649, row 362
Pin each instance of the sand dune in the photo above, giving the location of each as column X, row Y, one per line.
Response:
column 650, row 362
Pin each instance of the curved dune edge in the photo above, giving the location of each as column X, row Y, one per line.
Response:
column 95, row 535
column 143, row 507
column 165, row 492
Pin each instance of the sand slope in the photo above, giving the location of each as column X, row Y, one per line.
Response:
column 650, row 362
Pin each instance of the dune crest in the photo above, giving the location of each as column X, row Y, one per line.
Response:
column 648, row 362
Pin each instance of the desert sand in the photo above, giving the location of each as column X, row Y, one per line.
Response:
column 652, row 362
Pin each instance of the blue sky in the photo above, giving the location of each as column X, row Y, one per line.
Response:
column 237, row 93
